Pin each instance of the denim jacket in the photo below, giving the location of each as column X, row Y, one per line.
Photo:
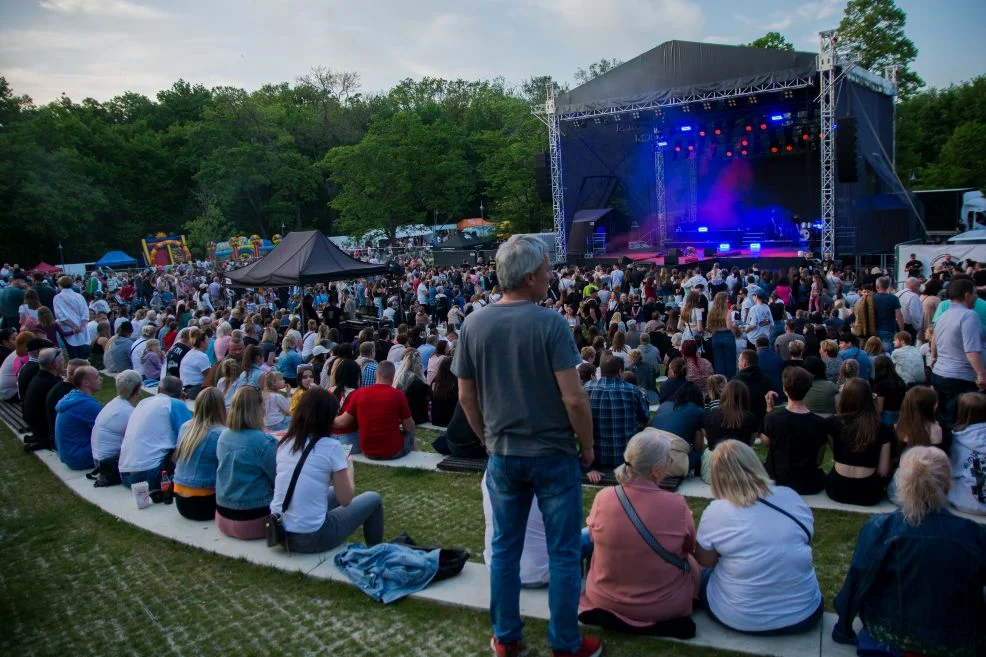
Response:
column 247, row 465
column 918, row 589
column 387, row 572
column 199, row 471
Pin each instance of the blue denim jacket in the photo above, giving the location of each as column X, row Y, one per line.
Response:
column 247, row 465
column 918, row 589
column 199, row 471
column 388, row 572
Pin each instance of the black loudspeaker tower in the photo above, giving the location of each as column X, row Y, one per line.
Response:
column 625, row 261
column 671, row 259
column 845, row 150
column 542, row 176
column 710, row 253
column 674, row 252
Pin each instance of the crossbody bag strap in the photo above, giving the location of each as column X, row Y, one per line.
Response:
column 674, row 560
column 297, row 472
column 780, row 510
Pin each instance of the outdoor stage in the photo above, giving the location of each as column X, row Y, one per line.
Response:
column 774, row 257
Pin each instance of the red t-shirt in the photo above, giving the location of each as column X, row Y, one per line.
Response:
column 379, row 410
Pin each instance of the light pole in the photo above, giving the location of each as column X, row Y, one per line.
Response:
column 282, row 228
column 61, row 256
column 482, row 210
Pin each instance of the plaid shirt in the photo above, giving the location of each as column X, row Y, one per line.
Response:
column 619, row 410
column 369, row 374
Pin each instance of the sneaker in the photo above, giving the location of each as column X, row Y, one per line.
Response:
column 506, row 649
column 591, row 647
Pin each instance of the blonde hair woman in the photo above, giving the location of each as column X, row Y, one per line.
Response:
column 224, row 333
column 752, row 527
column 723, row 344
column 195, row 457
column 245, row 475
column 916, row 577
column 630, row 588
column 410, row 378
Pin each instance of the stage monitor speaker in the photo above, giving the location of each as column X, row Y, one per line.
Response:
column 671, row 260
column 674, row 252
column 845, row 150
column 625, row 261
column 542, row 176
column 710, row 253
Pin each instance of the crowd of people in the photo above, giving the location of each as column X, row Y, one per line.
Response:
column 758, row 377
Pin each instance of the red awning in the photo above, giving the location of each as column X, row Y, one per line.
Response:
column 475, row 222
column 45, row 268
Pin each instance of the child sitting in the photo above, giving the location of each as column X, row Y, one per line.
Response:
column 152, row 360
column 277, row 406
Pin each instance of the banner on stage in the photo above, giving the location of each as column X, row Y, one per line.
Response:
column 931, row 255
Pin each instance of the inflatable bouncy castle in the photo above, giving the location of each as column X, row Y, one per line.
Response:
column 163, row 250
column 243, row 248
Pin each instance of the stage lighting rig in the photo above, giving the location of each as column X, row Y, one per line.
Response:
column 753, row 100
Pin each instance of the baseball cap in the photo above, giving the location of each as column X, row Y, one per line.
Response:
column 319, row 350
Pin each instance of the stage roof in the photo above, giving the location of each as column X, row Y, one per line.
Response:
column 678, row 68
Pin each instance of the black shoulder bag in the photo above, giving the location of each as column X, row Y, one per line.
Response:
column 780, row 510
column 674, row 560
column 274, row 523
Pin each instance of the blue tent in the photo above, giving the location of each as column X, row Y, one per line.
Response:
column 116, row 259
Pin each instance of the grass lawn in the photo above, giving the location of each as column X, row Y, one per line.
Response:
column 74, row 580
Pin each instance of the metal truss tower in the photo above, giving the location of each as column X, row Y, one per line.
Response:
column 827, row 61
column 660, row 201
column 557, row 184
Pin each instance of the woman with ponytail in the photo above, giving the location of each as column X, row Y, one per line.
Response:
column 630, row 586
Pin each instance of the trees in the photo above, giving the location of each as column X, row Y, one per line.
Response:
column 772, row 40
column 874, row 29
column 596, row 69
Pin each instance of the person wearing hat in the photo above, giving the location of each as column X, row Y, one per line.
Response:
column 51, row 365
column 11, row 299
column 99, row 304
column 31, row 368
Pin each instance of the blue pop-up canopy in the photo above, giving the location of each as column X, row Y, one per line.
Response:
column 115, row 259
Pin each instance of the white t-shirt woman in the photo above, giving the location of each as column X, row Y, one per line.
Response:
column 310, row 504
column 765, row 578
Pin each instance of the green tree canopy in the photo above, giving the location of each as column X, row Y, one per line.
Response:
column 772, row 40
column 874, row 29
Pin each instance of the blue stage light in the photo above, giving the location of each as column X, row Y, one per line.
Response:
column 724, row 247
column 703, row 229
column 777, row 117
column 686, row 128
column 755, row 247
column 662, row 144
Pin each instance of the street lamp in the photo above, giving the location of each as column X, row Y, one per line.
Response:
column 61, row 255
column 282, row 228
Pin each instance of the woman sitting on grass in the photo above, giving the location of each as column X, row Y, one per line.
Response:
column 195, row 457
column 323, row 511
column 755, row 542
column 860, row 448
column 306, row 380
column 917, row 575
column 630, row 587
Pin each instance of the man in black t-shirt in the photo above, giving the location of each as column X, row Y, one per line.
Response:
column 182, row 345
column 795, row 437
column 332, row 314
column 914, row 266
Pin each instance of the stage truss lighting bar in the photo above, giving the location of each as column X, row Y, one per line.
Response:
column 776, row 118
column 703, row 229
column 724, row 247
column 686, row 128
column 755, row 247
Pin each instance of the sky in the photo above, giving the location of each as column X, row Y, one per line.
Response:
column 102, row 48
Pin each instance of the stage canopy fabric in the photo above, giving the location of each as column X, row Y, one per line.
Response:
column 116, row 259
column 44, row 268
column 301, row 258
column 590, row 215
column 678, row 68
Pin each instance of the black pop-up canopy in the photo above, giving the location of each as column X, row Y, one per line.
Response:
column 302, row 258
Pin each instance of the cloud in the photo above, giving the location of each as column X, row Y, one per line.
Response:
column 805, row 13
column 727, row 40
column 117, row 8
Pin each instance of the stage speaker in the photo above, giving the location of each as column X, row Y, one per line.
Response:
column 845, row 150
column 625, row 261
column 671, row 259
column 674, row 252
column 542, row 176
column 710, row 253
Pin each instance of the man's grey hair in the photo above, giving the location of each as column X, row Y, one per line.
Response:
column 518, row 256
column 127, row 382
column 48, row 357
column 171, row 386
column 883, row 283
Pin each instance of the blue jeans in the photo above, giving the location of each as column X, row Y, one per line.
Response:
column 557, row 481
column 152, row 477
column 724, row 353
column 887, row 338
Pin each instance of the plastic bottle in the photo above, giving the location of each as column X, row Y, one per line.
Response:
column 166, row 488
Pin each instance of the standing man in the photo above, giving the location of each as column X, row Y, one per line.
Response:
column 523, row 398
column 957, row 343
column 72, row 317
column 889, row 318
column 910, row 307
column 11, row 298
column 759, row 320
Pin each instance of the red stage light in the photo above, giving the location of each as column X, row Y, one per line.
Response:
column 743, row 152
column 718, row 131
column 677, row 149
column 745, row 142
column 749, row 128
column 763, row 126
column 774, row 149
column 806, row 136
column 701, row 133
column 789, row 148
column 691, row 148
column 729, row 153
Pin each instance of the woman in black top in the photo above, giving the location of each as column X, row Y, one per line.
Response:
column 889, row 389
column 860, row 448
column 410, row 379
column 731, row 420
column 444, row 394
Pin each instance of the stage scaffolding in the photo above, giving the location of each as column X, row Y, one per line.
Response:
column 828, row 79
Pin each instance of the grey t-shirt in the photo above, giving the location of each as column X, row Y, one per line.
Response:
column 957, row 333
column 513, row 350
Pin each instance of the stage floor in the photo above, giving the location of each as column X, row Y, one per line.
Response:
column 771, row 257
